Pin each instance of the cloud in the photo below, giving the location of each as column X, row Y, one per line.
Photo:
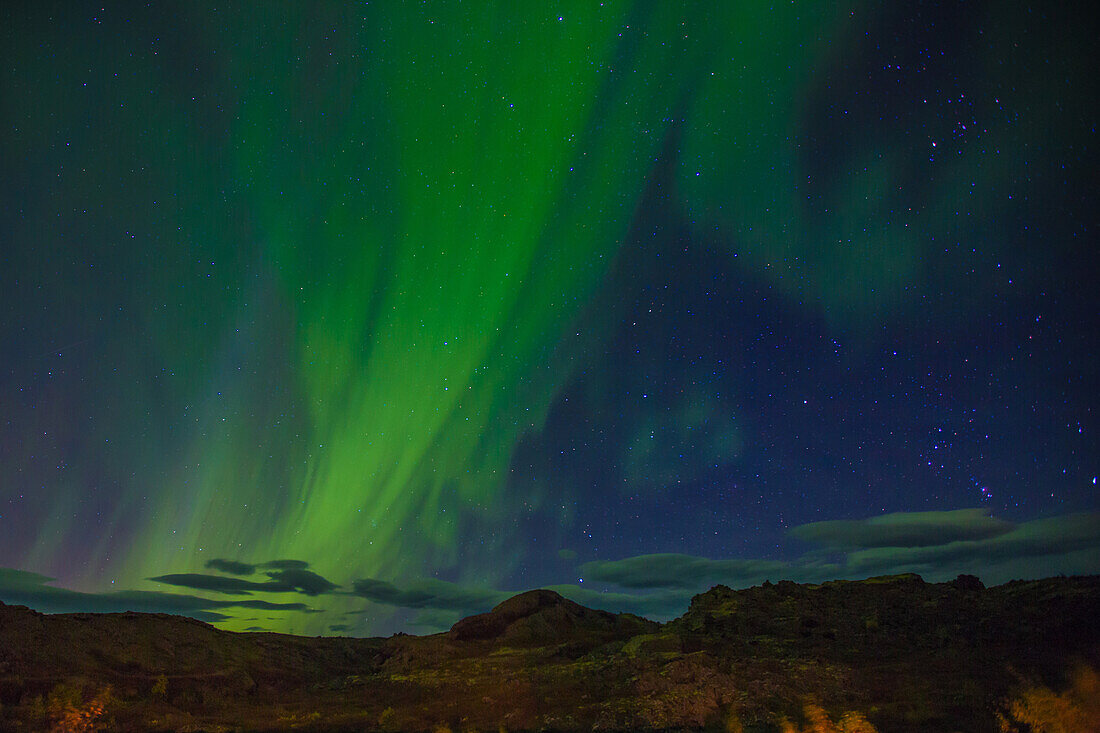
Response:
column 1068, row 543
column 231, row 566
column 660, row 605
column 441, row 604
column 938, row 545
column 236, row 567
column 432, row 620
column 430, row 593
column 903, row 529
column 31, row 589
column 567, row 554
column 301, row 580
column 681, row 571
column 215, row 583
column 292, row 580
column 286, row 564
column 267, row 605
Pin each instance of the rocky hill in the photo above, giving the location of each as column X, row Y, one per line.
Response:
column 884, row 654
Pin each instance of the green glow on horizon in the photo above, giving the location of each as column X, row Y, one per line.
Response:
column 432, row 247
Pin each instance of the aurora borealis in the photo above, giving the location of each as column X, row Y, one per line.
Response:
column 358, row 317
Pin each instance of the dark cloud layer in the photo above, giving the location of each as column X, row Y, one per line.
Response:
column 32, row 589
column 436, row 594
column 286, row 564
column 903, row 529
column 1064, row 544
column 236, row 567
column 215, row 583
column 680, row 571
column 659, row 605
column 293, row 580
column 441, row 604
column 231, row 566
column 938, row 545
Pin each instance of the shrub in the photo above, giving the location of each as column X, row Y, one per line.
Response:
column 817, row 721
column 70, row 713
column 160, row 687
column 1041, row 710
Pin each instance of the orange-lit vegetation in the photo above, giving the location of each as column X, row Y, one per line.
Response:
column 1039, row 709
column 70, row 707
column 818, row 721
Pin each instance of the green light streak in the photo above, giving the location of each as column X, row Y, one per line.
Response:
column 475, row 174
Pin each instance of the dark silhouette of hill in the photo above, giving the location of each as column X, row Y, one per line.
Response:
column 884, row 654
column 540, row 617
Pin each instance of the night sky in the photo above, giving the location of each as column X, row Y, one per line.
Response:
column 360, row 317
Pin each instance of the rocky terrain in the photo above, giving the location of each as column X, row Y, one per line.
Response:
column 884, row 654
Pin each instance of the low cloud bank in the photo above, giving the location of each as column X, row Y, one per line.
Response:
column 33, row 590
column 679, row 571
column 437, row 594
column 293, row 580
column 938, row 545
column 903, row 529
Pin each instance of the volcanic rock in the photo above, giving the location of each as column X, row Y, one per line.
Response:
column 884, row 654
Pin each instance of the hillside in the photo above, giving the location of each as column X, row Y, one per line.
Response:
column 884, row 654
